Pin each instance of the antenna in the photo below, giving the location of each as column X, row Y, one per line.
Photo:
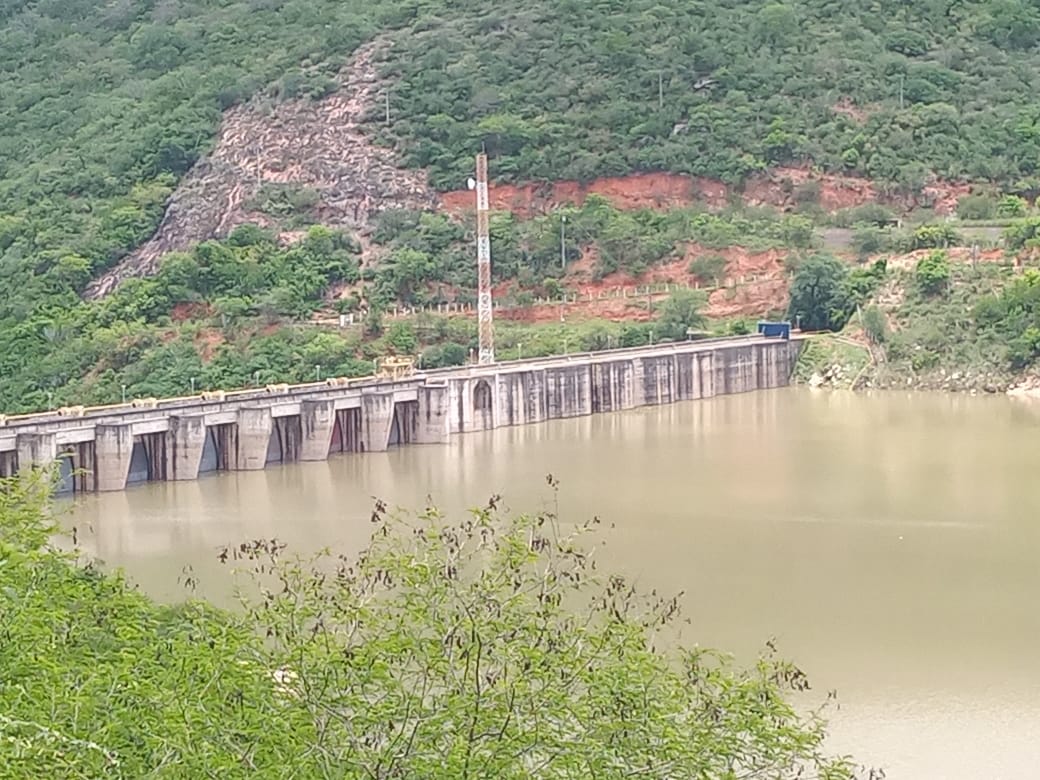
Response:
column 484, row 306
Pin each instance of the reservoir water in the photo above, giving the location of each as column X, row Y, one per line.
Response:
column 890, row 543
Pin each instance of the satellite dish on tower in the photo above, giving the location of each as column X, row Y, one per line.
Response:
column 471, row 183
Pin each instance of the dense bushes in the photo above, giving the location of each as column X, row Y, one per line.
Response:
column 1014, row 315
column 825, row 292
column 720, row 89
column 129, row 338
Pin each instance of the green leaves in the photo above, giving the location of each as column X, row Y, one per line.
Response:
column 484, row 646
column 932, row 273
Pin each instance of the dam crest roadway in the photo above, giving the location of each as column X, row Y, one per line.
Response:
column 108, row 448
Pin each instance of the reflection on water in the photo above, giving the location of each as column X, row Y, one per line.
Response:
column 889, row 542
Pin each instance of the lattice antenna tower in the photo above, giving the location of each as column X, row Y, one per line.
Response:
column 485, row 310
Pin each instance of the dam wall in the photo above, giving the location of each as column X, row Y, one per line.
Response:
column 110, row 448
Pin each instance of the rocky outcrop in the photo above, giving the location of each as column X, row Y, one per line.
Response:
column 316, row 144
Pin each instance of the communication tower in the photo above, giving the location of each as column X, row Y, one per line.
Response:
column 484, row 304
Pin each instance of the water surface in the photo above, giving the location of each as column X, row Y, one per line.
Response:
column 889, row 542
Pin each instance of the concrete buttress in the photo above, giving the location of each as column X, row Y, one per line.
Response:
column 185, row 441
column 36, row 449
column 377, row 415
column 113, row 451
column 252, row 437
column 432, row 425
column 317, row 419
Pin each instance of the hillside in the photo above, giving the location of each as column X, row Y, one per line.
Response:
column 139, row 129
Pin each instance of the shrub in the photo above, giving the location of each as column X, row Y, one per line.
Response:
column 708, row 268
column 869, row 239
column 932, row 274
column 875, row 324
column 933, row 236
column 976, row 207
column 1012, row 206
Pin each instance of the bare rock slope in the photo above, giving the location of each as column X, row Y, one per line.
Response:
column 316, row 144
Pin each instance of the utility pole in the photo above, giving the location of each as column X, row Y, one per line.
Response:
column 563, row 243
column 660, row 90
column 485, row 310
column 900, row 91
column 386, row 95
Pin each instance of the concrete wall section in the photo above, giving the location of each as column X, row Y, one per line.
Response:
column 612, row 386
column 317, row 420
column 36, row 450
column 286, row 439
column 377, row 415
column 431, row 424
column 659, row 380
column 113, row 451
column 251, row 439
column 520, row 398
column 185, row 441
column 568, row 392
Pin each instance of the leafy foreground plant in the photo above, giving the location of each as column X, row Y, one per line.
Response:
column 486, row 648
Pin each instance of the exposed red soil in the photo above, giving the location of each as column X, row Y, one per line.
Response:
column 755, row 283
column 943, row 196
column 775, row 188
column 207, row 342
column 957, row 254
column 641, row 190
column 182, row 312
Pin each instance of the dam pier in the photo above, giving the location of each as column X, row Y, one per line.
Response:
column 109, row 448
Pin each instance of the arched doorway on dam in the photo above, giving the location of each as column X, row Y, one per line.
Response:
column 483, row 406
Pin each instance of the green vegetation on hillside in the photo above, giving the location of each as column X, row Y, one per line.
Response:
column 483, row 647
column 430, row 251
column 942, row 325
column 1013, row 317
column 825, row 291
column 103, row 109
column 570, row 90
column 243, row 302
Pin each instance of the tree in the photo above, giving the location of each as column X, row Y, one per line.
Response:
column 401, row 336
column 682, row 312
column 932, row 273
column 819, row 298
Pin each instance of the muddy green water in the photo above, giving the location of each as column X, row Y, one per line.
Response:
column 891, row 543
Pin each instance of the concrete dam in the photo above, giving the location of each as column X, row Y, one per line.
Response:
column 109, row 448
